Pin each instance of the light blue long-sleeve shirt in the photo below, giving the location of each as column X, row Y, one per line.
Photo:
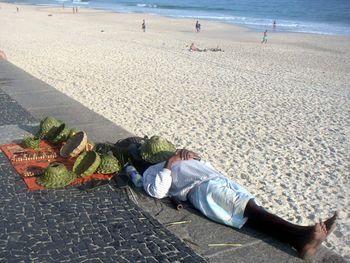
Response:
column 160, row 182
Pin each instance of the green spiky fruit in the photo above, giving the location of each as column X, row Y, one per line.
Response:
column 31, row 142
column 109, row 164
column 56, row 175
column 87, row 163
column 48, row 127
column 72, row 132
column 61, row 134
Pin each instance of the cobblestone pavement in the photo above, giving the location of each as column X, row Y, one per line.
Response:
column 70, row 225
column 11, row 112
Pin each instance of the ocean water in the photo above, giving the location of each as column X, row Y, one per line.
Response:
column 308, row 16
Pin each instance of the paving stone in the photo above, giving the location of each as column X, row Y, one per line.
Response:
column 57, row 217
column 11, row 112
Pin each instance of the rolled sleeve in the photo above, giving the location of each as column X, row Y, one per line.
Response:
column 157, row 184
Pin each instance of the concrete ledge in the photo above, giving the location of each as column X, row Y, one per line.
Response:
column 41, row 100
column 21, row 85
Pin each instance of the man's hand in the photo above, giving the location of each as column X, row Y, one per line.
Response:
column 180, row 155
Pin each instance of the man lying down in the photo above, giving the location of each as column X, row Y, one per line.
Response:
column 183, row 175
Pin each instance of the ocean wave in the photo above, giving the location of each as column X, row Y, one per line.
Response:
column 147, row 5
column 282, row 25
column 258, row 16
column 77, row 2
column 227, row 12
column 179, row 7
column 45, row 5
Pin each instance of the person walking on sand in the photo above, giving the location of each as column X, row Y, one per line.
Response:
column 274, row 25
column 264, row 40
column 198, row 27
column 143, row 26
column 183, row 175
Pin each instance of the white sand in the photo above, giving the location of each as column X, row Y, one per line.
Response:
column 274, row 117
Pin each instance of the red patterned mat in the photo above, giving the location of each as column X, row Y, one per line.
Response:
column 30, row 163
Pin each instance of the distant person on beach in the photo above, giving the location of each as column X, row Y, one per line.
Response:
column 264, row 40
column 274, row 25
column 184, row 176
column 198, row 27
column 2, row 55
column 194, row 48
column 17, row 9
column 143, row 26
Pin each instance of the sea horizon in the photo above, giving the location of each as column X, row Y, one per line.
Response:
column 315, row 16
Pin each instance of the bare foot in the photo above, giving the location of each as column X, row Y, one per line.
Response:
column 330, row 223
column 319, row 234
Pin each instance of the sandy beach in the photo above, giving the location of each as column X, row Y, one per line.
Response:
column 274, row 117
